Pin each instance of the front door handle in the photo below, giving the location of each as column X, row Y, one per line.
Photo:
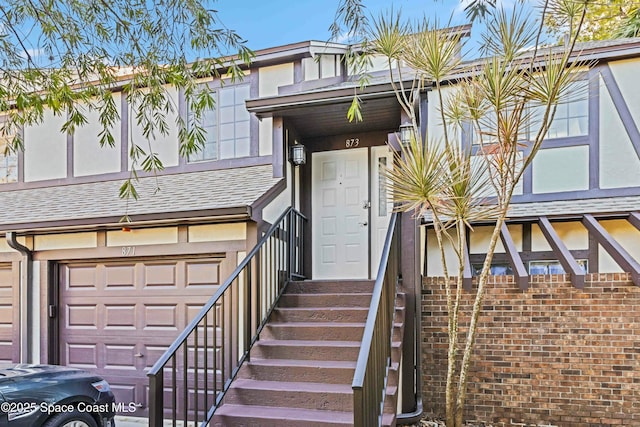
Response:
column 364, row 224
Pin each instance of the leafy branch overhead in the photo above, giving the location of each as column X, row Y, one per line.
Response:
column 70, row 57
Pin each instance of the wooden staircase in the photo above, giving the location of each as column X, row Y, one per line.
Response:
column 302, row 367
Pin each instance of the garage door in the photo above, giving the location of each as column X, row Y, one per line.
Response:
column 118, row 318
column 9, row 345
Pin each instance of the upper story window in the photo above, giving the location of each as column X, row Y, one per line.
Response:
column 571, row 118
column 572, row 115
column 226, row 125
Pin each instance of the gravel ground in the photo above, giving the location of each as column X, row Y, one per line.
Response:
column 431, row 421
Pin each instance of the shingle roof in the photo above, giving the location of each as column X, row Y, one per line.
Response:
column 179, row 193
column 575, row 207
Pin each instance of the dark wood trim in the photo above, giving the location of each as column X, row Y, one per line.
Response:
column 594, row 128
column 622, row 108
column 613, row 248
column 526, row 237
column 203, row 166
column 576, row 195
column 520, row 273
column 49, row 313
column 258, row 206
column 563, row 254
column 467, row 274
column 634, row 219
column 254, row 122
column 593, row 256
column 337, row 142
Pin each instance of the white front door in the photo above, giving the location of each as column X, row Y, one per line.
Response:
column 340, row 214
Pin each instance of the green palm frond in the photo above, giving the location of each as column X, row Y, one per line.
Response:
column 417, row 177
column 432, row 51
column 389, row 35
column 467, row 193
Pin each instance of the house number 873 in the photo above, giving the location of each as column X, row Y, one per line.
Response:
column 352, row 142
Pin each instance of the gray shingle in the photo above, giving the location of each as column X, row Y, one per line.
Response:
column 179, row 193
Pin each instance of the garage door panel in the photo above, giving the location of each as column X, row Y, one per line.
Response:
column 121, row 317
column 9, row 339
column 120, row 276
column 161, row 275
column 82, row 277
column 82, row 355
column 118, row 318
column 81, row 316
column 200, row 273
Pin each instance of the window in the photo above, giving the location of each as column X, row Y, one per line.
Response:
column 572, row 114
column 8, row 161
column 552, row 267
column 496, row 269
column 570, row 120
column 226, row 126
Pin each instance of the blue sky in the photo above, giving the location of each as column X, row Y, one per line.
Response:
column 268, row 23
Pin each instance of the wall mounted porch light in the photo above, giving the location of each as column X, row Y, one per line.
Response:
column 406, row 133
column 297, row 154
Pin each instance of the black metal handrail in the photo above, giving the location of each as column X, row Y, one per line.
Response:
column 370, row 377
column 188, row 382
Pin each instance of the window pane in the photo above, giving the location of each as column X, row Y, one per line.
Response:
column 242, row 147
column 242, row 94
column 226, row 131
column 227, row 96
column 242, row 130
column 227, row 149
column 226, row 114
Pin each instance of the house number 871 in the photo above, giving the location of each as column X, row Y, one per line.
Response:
column 352, row 142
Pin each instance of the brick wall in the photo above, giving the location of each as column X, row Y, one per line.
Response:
column 551, row 354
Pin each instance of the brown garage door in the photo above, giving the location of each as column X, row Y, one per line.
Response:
column 117, row 318
column 9, row 345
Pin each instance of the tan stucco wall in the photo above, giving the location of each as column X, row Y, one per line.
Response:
column 272, row 211
column 165, row 146
column 217, row 232
column 561, row 169
column 45, row 149
column 145, row 236
column 65, row 241
column 481, row 236
column 434, row 265
column 572, row 234
column 616, row 151
column 627, row 236
column 266, row 136
column 270, row 78
column 88, row 157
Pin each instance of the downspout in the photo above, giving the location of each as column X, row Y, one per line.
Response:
column 26, row 291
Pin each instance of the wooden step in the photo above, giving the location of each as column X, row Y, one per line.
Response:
column 326, row 300
column 313, row 331
column 330, row 286
column 320, row 396
column 265, row 416
column 328, row 371
column 306, row 350
column 320, row 314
